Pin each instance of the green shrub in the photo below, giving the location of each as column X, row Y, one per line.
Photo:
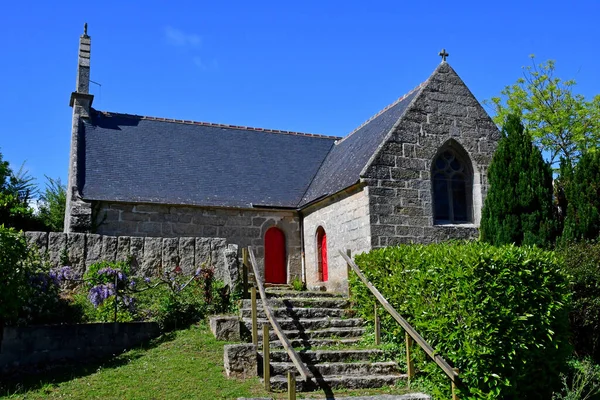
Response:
column 498, row 314
column 582, row 262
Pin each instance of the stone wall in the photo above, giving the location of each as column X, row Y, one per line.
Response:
column 445, row 113
column 36, row 346
column 149, row 254
column 243, row 227
column 345, row 219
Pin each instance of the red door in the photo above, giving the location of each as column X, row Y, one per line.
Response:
column 275, row 256
column 322, row 254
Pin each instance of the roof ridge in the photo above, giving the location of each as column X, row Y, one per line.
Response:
column 385, row 109
column 216, row 125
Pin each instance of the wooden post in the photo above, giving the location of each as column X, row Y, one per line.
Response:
column 410, row 365
column 254, row 317
column 266, row 356
column 245, row 271
column 291, row 386
column 377, row 327
column 348, row 268
column 454, row 394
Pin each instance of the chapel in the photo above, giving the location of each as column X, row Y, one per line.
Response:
column 416, row 172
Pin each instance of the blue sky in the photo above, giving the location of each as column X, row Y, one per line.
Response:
column 309, row 66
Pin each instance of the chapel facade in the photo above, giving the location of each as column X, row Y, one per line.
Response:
column 416, row 172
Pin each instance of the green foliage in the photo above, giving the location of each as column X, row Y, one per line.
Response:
column 52, row 203
column 562, row 123
column 176, row 310
column 583, row 194
column 14, row 271
column 16, row 191
column 28, row 295
column 298, row 285
column 498, row 314
column 582, row 382
column 581, row 261
column 518, row 208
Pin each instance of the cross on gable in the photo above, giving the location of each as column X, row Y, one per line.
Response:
column 443, row 54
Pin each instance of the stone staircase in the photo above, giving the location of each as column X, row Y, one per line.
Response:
column 326, row 335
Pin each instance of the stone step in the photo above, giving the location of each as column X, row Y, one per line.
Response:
column 311, row 343
column 339, row 368
column 290, row 324
column 271, row 293
column 408, row 396
column 299, row 302
column 329, row 356
column 299, row 313
column 278, row 286
column 329, row 333
column 326, row 382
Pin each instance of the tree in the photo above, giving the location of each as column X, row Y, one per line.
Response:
column 518, row 207
column 583, row 194
column 562, row 123
column 52, row 203
column 16, row 191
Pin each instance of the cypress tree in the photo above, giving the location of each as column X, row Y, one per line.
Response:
column 518, row 207
column 583, row 195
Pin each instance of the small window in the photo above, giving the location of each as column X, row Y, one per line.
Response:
column 452, row 188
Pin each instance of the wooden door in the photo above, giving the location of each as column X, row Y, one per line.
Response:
column 322, row 254
column 275, row 271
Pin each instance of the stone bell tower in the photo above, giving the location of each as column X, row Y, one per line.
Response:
column 78, row 213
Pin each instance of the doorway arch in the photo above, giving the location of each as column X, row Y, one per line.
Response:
column 323, row 269
column 275, row 268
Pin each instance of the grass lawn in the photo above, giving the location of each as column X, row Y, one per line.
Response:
column 186, row 364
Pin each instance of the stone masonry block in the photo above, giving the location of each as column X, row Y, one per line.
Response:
column 123, row 244
column 225, row 327
column 109, row 248
column 57, row 243
column 76, row 249
column 39, row 241
column 187, row 260
column 136, row 248
column 152, row 260
column 202, row 251
column 93, row 251
column 170, row 253
column 241, row 360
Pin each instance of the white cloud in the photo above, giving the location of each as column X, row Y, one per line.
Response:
column 177, row 37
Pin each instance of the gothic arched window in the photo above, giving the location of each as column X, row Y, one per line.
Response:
column 452, row 180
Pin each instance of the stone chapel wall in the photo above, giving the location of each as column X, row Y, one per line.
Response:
column 345, row 219
column 400, row 190
column 243, row 227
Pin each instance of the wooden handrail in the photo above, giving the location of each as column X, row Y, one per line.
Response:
column 302, row 369
column 452, row 374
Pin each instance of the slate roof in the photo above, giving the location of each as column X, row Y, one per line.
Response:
column 347, row 158
column 131, row 158
column 140, row 159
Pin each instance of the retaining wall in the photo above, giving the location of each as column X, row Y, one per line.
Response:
column 38, row 346
column 148, row 254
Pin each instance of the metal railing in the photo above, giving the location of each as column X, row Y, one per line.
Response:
column 305, row 373
column 411, row 334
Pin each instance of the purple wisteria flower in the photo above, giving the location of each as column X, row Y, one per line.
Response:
column 98, row 294
column 62, row 274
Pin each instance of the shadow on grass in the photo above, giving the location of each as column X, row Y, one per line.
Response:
column 23, row 381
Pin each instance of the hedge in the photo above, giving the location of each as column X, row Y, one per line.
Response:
column 498, row 314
